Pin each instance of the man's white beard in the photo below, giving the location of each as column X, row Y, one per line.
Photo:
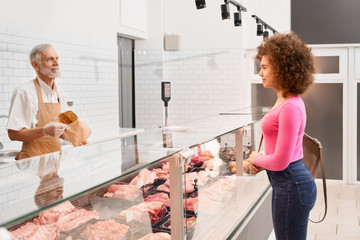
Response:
column 47, row 71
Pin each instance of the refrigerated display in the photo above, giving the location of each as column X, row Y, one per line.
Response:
column 123, row 184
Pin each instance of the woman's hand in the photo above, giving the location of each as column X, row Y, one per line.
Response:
column 253, row 168
column 252, row 156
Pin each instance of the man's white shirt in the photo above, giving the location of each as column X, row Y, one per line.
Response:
column 24, row 105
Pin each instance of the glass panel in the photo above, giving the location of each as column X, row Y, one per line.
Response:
column 77, row 173
column 223, row 199
column 327, row 64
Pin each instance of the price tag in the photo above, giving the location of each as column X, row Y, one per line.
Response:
column 129, row 216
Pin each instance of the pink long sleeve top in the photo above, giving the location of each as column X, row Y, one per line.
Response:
column 283, row 130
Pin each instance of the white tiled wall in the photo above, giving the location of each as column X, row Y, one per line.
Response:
column 89, row 77
column 203, row 82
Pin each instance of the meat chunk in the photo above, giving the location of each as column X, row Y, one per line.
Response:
column 201, row 157
column 35, row 231
column 143, row 211
column 212, row 164
column 75, row 218
column 54, row 214
column 105, row 230
column 127, row 192
column 143, row 178
column 188, row 186
column 158, row 197
column 191, row 203
column 157, row 236
column 161, row 173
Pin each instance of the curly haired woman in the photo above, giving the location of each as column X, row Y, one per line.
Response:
column 287, row 67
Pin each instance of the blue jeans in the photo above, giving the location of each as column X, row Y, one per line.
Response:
column 294, row 195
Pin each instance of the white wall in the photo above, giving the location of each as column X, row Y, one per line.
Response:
column 276, row 13
column 133, row 19
column 83, row 33
column 204, row 82
column 78, row 21
column 208, row 72
column 155, row 26
column 204, row 28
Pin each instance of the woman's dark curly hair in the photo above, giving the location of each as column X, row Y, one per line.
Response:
column 292, row 62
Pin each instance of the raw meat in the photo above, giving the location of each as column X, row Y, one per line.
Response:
column 143, row 211
column 75, row 218
column 164, row 188
column 36, row 232
column 127, row 192
column 53, row 214
column 143, row 178
column 190, row 203
column 161, row 173
column 221, row 190
column 232, row 166
column 158, row 197
column 212, row 164
column 188, row 187
column 157, row 236
column 166, row 167
column 202, row 177
column 187, row 221
column 201, row 156
column 105, row 230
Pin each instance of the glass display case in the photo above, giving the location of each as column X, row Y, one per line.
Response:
column 122, row 183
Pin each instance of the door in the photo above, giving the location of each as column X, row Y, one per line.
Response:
column 126, row 83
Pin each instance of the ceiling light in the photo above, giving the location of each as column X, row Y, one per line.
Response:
column 237, row 19
column 200, row 4
column 225, row 12
column 261, row 24
column 259, row 31
column 265, row 34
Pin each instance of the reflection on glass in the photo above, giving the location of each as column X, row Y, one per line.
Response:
column 327, row 64
column 322, row 64
column 51, row 186
column 257, row 67
column 167, row 139
column 50, row 189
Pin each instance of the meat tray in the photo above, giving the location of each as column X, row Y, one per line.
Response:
column 74, row 234
column 141, row 232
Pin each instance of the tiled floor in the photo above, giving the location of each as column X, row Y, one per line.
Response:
column 342, row 221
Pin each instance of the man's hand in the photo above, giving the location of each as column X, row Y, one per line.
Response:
column 54, row 129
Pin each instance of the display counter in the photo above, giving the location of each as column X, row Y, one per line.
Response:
column 123, row 182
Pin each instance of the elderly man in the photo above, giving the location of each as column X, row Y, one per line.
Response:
column 35, row 106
